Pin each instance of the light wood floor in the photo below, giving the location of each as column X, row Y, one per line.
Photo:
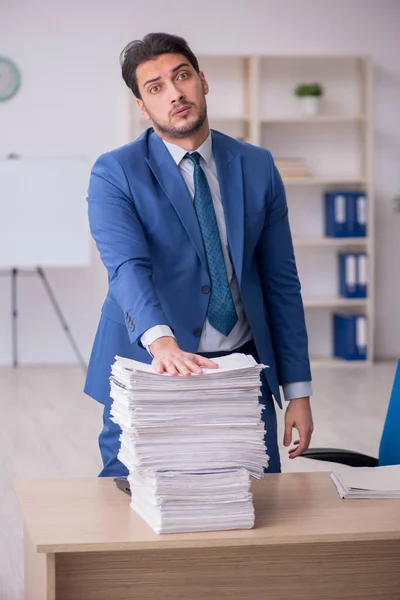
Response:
column 49, row 428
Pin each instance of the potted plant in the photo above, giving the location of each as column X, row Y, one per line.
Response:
column 309, row 94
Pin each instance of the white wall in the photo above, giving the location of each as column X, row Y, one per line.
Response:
column 74, row 102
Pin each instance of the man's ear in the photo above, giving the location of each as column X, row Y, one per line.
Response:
column 204, row 83
column 142, row 109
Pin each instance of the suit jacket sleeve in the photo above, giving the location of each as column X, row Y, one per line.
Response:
column 281, row 286
column 123, row 248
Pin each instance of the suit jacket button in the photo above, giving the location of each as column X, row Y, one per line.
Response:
column 197, row 332
column 205, row 289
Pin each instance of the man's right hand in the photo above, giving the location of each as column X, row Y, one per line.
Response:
column 169, row 358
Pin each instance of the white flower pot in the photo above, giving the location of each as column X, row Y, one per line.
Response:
column 309, row 105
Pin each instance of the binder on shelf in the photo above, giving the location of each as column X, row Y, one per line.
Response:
column 353, row 274
column 362, row 274
column 359, row 201
column 345, row 214
column 336, row 214
column 350, row 337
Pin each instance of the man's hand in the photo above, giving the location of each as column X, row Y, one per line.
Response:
column 298, row 415
column 169, row 358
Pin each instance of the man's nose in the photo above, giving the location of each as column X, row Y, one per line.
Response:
column 179, row 98
column 176, row 94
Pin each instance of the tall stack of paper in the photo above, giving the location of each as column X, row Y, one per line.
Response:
column 191, row 443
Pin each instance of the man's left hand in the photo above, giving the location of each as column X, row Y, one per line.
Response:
column 298, row 415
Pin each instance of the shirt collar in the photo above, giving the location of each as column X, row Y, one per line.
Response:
column 205, row 151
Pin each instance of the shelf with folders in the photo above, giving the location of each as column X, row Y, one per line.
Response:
column 332, row 151
column 343, row 281
column 339, row 337
column 338, row 294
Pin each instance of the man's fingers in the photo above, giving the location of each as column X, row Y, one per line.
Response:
column 287, row 438
column 294, row 452
column 158, row 366
column 205, row 362
column 170, row 367
column 302, row 444
column 193, row 366
column 181, row 366
column 190, row 366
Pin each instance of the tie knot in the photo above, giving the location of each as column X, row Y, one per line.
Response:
column 194, row 157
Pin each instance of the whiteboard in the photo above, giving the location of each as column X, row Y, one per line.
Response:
column 43, row 213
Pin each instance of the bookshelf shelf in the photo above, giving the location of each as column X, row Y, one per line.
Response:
column 318, row 119
column 327, row 242
column 324, row 181
column 334, row 302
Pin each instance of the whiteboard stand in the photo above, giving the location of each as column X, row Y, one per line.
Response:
column 14, row 313
column 43, row 221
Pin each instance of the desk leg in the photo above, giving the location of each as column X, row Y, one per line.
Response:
column 39, row 573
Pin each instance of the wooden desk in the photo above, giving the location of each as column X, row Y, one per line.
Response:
column 84, row 542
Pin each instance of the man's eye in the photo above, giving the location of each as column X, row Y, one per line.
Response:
column 154, row 89
column 183, row 75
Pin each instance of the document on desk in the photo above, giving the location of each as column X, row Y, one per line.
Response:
column 367, row 482
column 191, row 443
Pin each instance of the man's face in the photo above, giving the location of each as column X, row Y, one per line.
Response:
column 173, row 95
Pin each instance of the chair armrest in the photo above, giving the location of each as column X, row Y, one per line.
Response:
column 343, row 457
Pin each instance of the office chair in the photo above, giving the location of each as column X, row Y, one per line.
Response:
column 389, row 449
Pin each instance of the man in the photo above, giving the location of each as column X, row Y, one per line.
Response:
column 192, row 227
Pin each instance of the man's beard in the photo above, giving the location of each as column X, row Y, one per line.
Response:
column 178, row 133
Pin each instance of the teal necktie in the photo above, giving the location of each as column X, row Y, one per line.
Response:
column 221, row 311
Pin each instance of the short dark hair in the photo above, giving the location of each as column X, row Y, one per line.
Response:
column 151, row 46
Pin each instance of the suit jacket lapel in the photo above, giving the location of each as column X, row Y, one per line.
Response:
column 171, row 181
column 230, row 177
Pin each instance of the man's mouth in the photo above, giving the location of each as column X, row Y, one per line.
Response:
column 182, row 111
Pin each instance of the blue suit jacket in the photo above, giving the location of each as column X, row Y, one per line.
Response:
column 145, row 227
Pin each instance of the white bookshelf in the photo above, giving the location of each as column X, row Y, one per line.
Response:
column 251, row 98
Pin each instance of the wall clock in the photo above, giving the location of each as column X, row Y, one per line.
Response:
column 10, row 78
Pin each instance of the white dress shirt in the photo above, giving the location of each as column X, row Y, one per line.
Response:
column 212, row 340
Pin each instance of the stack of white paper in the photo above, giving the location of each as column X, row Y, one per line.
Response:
column 200, row 501
column 191, row 443
column 367, row 482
